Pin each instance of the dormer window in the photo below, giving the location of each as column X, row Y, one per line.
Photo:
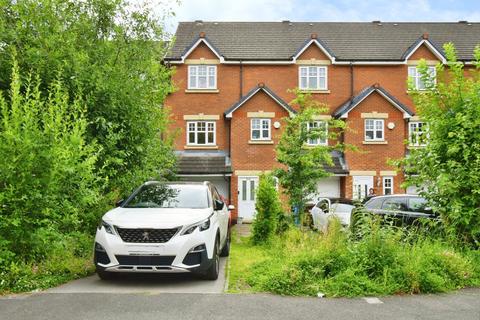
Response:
column 414, row 74
column 202, row 77
column 313, row 78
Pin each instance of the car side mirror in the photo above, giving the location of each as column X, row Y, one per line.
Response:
column 119, row 203
column 218, row 205
column 231, row 207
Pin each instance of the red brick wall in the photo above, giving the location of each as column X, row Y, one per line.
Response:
column 280, row 78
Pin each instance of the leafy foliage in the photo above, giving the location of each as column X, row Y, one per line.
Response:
column 384, row 261
column 448, row 167
column 48, row 183
column 109, row 52
column 304, row 164
column 269, row 210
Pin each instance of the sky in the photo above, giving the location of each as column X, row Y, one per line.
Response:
column 321, row 10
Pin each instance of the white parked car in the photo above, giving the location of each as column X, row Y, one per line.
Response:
column 326, row 208
column 165, row 227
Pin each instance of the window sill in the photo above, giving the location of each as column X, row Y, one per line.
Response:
column 202, row 91
column 314, row 91
column 311, row 146
column 375, row 142
column 200, row 147
column 416, row 147
column 260, row 142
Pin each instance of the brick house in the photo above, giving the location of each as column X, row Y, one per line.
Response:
column 233, row 80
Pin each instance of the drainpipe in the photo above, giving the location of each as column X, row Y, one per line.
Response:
column 241, row 79
column 351, row 80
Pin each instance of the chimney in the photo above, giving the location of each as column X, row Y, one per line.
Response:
column 425, row 35
column 376, row 85
column 261, row 84
column 202, row 34
column 314, row 36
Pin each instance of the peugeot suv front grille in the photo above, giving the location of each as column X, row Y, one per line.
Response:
column 146, row 235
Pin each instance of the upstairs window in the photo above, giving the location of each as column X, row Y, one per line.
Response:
column 260, row 129
column 417, row 135
column 321, row 126
column 202, row 77
column 201, row 133
column 374, row 130
column 313, row 78
column 416, row 77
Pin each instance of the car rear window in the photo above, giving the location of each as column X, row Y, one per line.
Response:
column 397, row 204
column 375, row 203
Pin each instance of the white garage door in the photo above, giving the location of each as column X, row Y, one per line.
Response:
column 329, row 187
column 220, row 182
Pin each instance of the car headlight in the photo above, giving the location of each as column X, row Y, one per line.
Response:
column 108, row 227
column 202, row 226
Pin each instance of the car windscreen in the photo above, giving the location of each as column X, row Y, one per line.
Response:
column 169, row 196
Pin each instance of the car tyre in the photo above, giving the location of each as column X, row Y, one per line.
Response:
column 226, row 248
column 214, row 269
column 104, row 275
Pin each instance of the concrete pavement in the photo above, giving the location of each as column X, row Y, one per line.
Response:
column 462, row 305
column 146, row 283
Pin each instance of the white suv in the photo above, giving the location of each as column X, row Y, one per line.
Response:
column 165, row 227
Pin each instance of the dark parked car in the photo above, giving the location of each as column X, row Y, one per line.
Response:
column 403, row 208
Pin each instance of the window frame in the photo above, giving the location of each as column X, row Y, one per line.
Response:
column 319, row 142
column 374, row 130
column 417, row 77
column 384, row 187
column 261, row 137
column 196, row 131
column 318, row 77
column 412, row 133
column 207, row 75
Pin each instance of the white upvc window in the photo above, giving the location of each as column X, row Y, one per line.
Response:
column 202, row 77
column 417, row 133
column 260, row 129
column 321, row 126
column 374, row 130
column 201, row 133
column 313, row 78
column 416, row 77
column 387, row 185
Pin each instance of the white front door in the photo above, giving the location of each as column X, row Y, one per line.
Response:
column 361, row 185
column 247, row 187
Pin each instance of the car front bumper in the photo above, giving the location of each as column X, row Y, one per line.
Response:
column 182, row 253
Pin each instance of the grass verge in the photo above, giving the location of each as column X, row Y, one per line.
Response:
column 71, row 258
column 384, row 262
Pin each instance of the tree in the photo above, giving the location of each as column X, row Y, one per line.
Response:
column 268, row 208
column 304, row 164
column 448, row 167
column 109, row 52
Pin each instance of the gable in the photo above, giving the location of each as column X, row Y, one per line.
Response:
column 202, row 51
column 375, row 103
column 423, row 52
column 313, row 52
column 344, row 110
column 264, row 92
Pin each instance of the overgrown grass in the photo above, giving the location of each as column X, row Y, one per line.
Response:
column 67, row 259
column 385, row 261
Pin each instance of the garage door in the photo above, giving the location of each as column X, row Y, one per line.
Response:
column 329, row 187
column 221, row 183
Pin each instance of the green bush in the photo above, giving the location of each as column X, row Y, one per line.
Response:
column 268, row 210
column 48, row 184
column 385, row 260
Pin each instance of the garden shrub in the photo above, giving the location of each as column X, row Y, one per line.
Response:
column 48, row 184
column 268, row 210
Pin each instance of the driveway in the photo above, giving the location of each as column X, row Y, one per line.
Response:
column 146, row 283
column 462, row 305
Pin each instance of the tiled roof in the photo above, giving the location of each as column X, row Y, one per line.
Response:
column 191, row 162
column 358, row 41
column 352, row 103
column 339, row 164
